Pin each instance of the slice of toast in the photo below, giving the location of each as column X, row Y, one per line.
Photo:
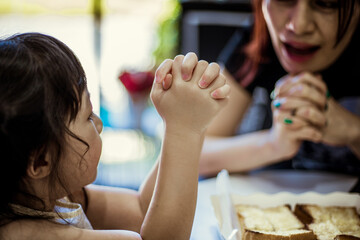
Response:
column 346, row 237
column 273, row 223
column 300, row 234
column 331, row 221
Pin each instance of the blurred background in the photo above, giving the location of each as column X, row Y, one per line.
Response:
column 120, row 43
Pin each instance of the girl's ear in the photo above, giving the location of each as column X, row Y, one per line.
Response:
column 38, row 168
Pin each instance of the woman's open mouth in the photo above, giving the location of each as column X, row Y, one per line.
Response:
column 300, row 52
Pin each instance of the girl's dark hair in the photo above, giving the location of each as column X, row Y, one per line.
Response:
column 257, row 49
column 41, row 84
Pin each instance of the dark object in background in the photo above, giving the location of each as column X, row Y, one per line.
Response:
column 356, row 187
column 206, row 26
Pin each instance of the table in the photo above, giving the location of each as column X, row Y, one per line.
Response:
column 271, row 181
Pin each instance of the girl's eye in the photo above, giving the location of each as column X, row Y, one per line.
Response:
column 91, row 116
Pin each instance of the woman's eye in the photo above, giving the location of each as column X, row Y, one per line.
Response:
column 286, row 1
column 327, row 4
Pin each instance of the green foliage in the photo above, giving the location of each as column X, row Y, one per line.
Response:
column 168, row 32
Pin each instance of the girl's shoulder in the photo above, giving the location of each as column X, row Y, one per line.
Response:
column 45, row 230
column 32, row 229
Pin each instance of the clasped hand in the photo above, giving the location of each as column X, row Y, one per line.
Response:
column 304, row 110
column 188, row 93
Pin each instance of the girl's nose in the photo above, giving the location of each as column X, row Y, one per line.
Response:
column 301, row 19
column 98, row 123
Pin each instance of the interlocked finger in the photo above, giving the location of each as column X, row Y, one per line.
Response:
column 310, row 114
column 210, row 74
column 188, row 65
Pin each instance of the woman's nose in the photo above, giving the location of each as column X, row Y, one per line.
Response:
column 301, row 19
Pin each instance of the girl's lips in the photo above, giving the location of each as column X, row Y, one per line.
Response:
column 299, row 52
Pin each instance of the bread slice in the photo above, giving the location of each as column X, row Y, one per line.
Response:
column 300, row 234
column 330, row 222
column 282, row 218
column 273, row 223
column 346, row 237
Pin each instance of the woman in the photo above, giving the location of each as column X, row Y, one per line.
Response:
column 312, row 47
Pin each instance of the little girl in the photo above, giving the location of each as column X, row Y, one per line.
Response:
column 50, row 144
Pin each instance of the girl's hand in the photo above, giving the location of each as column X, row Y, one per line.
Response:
column 164, row 74
column 185, row 104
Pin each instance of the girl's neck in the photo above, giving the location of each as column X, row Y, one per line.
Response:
column 37, row 195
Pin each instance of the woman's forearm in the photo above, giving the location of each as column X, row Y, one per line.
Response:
column 355, row 144
column 238, row 154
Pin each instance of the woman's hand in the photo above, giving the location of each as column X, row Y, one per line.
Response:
column 305, row 96
column 182, row 103
column 298, row 112
column 288, row 131
column 343, row 127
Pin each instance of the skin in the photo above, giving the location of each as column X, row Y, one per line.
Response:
column 312, row 24
column 305, row 22
column 302, row 22
column 164, row 206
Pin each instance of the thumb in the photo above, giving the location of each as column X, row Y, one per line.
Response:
column 167, row 82
column 156, row 89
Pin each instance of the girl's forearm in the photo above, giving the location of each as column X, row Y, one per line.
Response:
column 172, row 208
column 146, row 189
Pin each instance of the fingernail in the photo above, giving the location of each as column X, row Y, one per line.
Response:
column 277, row 103
column 202, row 84
column 215, row 94
column 185, row 77
column 273, row 94
column 288, row 121
column 328, row 95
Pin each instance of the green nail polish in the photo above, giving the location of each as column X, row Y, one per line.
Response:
column 288, row 121
column 277, row 104
column 328, row 95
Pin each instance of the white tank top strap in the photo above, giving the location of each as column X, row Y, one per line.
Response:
column 65, row 212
